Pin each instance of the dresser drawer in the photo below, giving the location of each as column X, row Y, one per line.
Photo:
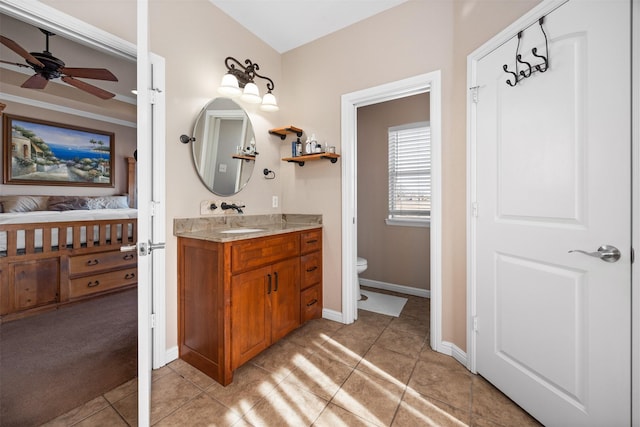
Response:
column 310, row 241
column 311, row 303
column 102, row 282
column 87, row 264
column 252, row 253
column 310, row 269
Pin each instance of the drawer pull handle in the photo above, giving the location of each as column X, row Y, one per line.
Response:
column 312, row 241
column 314, row 268
column 276, row 288
column 93, row 262
column 128, row 257
column 93, row 284
column 310, row 303
column 130, row 275
column 269, row 284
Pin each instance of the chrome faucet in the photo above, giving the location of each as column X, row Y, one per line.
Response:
column 224, row 206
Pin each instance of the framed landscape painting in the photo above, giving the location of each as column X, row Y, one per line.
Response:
column 38, row 152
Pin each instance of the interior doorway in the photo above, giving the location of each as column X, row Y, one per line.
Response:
column 429, row 82
column 75, row 30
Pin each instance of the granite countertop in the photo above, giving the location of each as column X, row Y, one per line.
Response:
column 213, row 228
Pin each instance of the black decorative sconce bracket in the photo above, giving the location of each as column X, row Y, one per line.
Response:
column 246, row 73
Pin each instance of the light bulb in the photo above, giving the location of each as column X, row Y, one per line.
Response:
column 229, row 86
column 251, row 94
column 269, row 103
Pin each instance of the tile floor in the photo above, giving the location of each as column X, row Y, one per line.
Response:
column 378, row 371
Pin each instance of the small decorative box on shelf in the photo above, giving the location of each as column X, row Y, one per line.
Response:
column 332, row 157
column 282, row 132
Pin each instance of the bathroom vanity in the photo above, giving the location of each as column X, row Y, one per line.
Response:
column 242, row 288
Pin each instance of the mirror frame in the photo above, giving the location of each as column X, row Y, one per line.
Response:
column 218, row 117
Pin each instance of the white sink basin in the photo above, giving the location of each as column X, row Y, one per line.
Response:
column 241, row 230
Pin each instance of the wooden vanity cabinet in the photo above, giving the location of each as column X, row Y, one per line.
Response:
column 310, row 275
column 238, row 298
column 264, row 308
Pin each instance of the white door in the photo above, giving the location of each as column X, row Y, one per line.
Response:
column 151, row 214
column 553, row 174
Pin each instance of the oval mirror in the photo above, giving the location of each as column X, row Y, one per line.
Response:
column 224, row 149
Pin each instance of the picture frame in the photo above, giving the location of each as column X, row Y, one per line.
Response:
column 40, row 152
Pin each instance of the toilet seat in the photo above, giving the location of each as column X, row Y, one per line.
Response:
column 361, row 265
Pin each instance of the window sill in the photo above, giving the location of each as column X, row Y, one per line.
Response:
column 425, row 223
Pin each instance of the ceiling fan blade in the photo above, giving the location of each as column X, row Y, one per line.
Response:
column 14, row 63
column 35, row 82
column 90, row 73
column 20, row 51
column 93, row 90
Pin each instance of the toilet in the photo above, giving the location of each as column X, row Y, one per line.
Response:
column 361, row 265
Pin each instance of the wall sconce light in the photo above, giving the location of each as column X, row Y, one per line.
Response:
column 237, row 79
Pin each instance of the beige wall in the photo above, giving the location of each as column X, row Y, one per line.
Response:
column 396, row 255
column 414, row 38
column 195, row 37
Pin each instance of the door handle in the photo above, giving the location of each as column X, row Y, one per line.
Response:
column 606, row 253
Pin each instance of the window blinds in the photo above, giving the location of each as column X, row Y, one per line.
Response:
column 410, row 171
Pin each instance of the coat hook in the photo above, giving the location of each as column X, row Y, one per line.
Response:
column 505, row 66
column 534, row 51
column 519, row 75
column 522, row 72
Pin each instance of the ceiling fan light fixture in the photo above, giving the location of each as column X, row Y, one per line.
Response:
column 48, row 67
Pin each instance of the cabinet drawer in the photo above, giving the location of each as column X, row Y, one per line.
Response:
column 102, row 282
column 310, row 269
column 252, row 253
column 310, row 241
column 311, row 303
column 87, row 264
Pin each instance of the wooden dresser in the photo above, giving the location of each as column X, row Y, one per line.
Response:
column 237, row 298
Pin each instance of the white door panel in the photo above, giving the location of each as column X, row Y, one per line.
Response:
column 553, row 174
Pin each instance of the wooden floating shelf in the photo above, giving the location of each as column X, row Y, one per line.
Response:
column 282, row 132
column 332, row 157
column 244, row 157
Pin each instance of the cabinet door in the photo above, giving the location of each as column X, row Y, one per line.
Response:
column 250, row 314
column 285, row 298
column 36, row 283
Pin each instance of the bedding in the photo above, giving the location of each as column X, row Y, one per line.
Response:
column 12, row 204
column 62, row 216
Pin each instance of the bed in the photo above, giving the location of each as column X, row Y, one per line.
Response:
column 57, row 250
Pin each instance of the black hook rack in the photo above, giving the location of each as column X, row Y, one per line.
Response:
column 519, row 75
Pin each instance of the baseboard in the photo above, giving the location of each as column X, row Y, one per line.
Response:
column 336, row 316
column 450, row 349
column 171, row 354
column 408, row 290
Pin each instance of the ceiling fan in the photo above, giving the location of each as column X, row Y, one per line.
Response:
column 49, row 67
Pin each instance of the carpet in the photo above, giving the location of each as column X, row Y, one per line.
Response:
column 382, row 303
column 53, row 362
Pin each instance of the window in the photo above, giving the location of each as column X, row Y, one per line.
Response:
column 410, row 174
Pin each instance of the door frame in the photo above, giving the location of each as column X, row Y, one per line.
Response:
column 531, row 17
column 350, row 102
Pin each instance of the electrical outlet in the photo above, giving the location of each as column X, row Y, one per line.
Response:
column 274, row 201
column 206, row 205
